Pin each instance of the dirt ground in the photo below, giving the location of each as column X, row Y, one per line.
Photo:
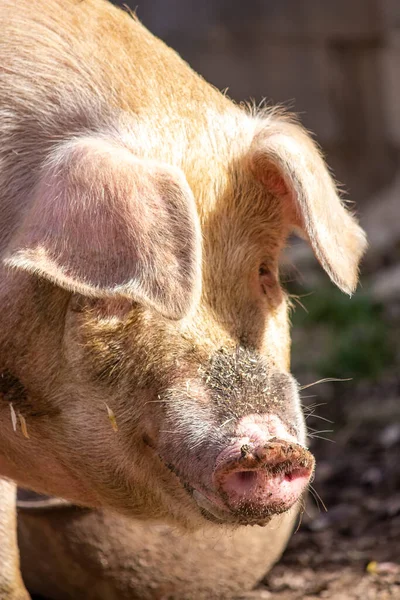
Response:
column 351, row 551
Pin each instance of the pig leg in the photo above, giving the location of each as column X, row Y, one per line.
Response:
column 11, row 584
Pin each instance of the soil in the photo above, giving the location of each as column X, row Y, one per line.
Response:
column 351, row 550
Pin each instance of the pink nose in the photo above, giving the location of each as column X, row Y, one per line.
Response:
column 263, row 479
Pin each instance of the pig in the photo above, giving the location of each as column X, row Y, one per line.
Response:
column 144, row 339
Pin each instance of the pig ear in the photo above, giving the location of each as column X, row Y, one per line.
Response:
column 286, row 160
column 104, row 223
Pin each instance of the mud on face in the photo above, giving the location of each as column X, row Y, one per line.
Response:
column 220, row 430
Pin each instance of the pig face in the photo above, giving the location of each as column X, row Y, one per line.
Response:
column 164, row 387
column 144, row 339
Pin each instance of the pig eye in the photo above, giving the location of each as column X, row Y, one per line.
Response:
column 267, row 278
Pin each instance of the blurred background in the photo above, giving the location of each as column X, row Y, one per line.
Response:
column 336, row 64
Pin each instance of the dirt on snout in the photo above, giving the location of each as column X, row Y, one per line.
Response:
column 352, row 550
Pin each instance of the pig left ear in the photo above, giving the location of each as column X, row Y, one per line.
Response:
column 285, row 159
column 106, row 224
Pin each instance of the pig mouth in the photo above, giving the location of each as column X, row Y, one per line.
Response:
column 212, row 510
column 260, row 509
column 254, row 487
column 221, row 515
column 250, row 481
column 214, row 507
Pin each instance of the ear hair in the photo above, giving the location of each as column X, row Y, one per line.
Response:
column 287, row 161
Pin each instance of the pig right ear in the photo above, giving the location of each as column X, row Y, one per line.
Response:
column 286, row 161
column 104, row 223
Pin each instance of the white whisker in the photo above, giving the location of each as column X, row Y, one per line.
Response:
column 325, row 380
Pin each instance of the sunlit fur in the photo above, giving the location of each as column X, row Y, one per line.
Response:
column 78, row 341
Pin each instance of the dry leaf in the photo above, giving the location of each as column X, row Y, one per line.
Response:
column 112, row 418
column 13, row 417
column 24, row 428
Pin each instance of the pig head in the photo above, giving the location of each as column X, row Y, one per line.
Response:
column 144, row 339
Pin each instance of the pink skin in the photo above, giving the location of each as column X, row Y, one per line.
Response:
column 263, row 472
column 257, row 429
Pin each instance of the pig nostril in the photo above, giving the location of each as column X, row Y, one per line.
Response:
column 262, row 476
column 241, row 482
column 246, row 476
column 303, row 472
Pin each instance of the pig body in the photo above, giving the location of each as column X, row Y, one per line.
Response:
column 67, row 552
column 144, row 340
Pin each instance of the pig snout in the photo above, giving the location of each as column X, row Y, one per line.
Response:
column 263, row 479
column 235, row 439
column 258, row 474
